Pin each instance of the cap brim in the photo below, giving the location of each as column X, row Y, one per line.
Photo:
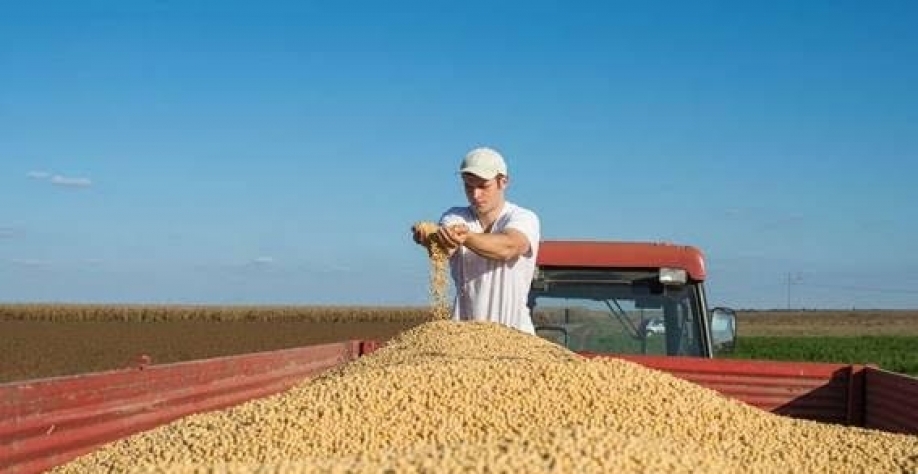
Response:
column 480, row 172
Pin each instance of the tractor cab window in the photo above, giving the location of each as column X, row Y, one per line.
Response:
column 616, row 312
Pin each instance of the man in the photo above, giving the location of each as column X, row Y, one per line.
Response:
column 492, row 243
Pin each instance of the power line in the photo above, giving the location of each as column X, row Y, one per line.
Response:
column 864, row 288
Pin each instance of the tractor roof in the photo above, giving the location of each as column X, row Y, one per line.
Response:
column 612, row 254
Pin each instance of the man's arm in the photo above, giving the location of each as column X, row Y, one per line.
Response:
column 504, row 246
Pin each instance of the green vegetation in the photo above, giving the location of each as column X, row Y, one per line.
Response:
column 895, row 353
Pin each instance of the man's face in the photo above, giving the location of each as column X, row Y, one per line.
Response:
column 484, row 195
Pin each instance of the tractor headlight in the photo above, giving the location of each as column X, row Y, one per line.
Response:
column 673, row 276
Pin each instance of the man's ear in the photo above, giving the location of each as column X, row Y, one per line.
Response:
column 503, row 181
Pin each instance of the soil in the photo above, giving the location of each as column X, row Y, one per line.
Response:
column 38, row 349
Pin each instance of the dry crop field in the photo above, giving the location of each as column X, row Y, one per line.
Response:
column 52, row 340
column 828, row 323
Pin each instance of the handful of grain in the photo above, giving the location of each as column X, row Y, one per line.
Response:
column 439, row 271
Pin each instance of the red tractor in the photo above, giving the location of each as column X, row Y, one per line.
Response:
column 627, row 298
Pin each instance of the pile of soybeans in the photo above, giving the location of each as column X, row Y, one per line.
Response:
column 447, row 396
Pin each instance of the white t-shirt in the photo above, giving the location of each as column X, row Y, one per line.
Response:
column 492, row 290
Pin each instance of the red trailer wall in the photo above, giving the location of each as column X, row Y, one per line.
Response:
column 47, row 422
column 891, row 401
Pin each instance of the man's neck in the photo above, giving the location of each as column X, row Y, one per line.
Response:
column 488, row 219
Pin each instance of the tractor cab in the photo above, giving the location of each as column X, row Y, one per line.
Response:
column 627, row 298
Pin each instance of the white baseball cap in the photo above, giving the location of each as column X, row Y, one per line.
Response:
column 486, row 163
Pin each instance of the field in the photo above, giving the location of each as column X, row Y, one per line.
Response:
column 828, row 323
column 887, row 339
column 52, row 340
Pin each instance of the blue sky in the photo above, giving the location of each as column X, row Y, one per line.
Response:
column 278, row 152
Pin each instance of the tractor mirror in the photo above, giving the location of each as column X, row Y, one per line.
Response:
column 723, row 329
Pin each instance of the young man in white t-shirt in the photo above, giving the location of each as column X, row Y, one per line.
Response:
column 493, row 244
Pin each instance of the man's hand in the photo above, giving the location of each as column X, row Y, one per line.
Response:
column 422, row 231
column 453, row 236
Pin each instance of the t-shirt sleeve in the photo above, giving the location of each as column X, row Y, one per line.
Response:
column 454, row 215
column 528, row 223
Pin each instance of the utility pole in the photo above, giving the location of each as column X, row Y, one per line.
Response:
column 792, row 278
